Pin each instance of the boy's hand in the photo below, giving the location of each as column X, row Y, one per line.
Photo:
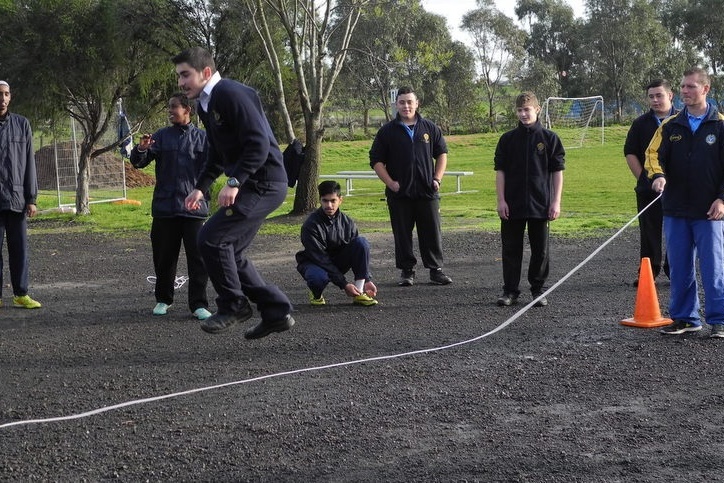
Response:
column 192, row 200
column 503, row 212
column 658, row 184
column 370, row 288
column 554, row 211
column 145, row 142
column 351, row 290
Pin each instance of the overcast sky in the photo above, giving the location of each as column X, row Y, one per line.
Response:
column 454, row 10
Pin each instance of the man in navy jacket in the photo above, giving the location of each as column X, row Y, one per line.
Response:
column 241, row 145
column 17, row 198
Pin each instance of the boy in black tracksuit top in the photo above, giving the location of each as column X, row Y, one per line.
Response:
column 332, row 247
column 529, row 161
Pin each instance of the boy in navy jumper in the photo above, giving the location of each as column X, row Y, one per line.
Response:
column 241, row 145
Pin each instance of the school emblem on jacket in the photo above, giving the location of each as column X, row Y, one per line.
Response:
column 710, row 139
column 426, row 138
column 540, row 147
column 217, row 117
column 675, row 138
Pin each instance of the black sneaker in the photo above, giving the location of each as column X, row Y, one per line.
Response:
column 407, row 278
column 540, row 303
column 717, row 331
column 507, row 299
column 438, row 277
column 681, row 326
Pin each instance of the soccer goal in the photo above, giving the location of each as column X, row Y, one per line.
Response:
column 578, row 121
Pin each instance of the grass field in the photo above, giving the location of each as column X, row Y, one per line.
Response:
column 597, row 193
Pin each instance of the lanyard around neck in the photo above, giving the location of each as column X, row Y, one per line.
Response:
column 410, row 130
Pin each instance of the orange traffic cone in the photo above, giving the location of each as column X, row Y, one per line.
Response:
column 647, row 313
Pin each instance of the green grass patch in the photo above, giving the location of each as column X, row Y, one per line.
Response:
column 597, row 191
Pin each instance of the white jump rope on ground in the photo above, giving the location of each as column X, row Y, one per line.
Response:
column 502, row 326
column 177, row 283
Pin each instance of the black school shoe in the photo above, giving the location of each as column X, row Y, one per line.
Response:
column 407, row 278
column 264, row 328
column 438, row 277
column 507, row 299
column 221, row 322
column 540, row 303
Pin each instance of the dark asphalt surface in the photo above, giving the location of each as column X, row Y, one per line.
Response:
column 563, row 393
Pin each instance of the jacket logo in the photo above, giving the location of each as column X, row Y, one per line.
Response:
column 710, row 139
column 426, row 138
column 675, row 137
column 540, row 147
column 217, row 117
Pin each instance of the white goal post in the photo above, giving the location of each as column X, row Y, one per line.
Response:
column 576, row 120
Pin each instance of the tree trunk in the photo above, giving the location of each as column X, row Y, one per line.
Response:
column 306, row 198
column 82, row 193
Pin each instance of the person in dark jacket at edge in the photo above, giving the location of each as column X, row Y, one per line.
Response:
column 660, row 96
column 333, row 246
column 17, row 201
column 241, row 145
column 685, row 162
column 529, row 164
column 179, row 152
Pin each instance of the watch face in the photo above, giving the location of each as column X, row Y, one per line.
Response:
column 233, row 182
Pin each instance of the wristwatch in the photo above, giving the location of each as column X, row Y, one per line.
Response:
column 233, row 183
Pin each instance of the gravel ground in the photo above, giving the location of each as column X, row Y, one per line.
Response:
column 563, row 393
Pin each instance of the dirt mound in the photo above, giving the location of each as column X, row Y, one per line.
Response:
column 136, row 178
column 56, row 168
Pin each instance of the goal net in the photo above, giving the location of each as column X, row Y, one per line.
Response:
column 578, row 121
